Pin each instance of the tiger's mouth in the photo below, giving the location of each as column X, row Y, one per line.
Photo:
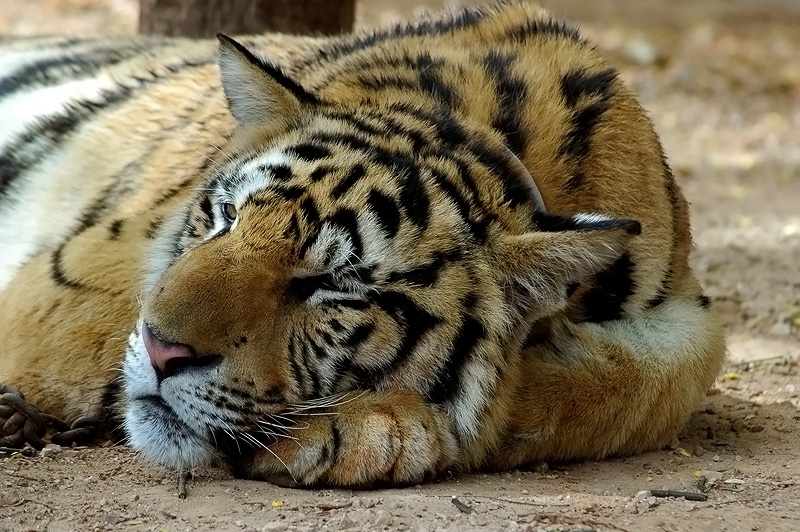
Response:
column 190, row 419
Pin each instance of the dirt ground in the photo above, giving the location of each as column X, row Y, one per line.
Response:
column 722, row 81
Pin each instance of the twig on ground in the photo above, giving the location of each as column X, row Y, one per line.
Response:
column 182, row 476
column 688, row 495
column 525, row 503
column 462, row 507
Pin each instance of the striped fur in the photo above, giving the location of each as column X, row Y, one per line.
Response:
column 448, row 245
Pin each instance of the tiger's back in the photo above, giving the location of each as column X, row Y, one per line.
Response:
column 490, row 119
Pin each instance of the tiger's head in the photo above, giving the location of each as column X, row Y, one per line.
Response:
column 347, row 243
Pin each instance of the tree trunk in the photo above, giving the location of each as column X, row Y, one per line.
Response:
column 205, row 18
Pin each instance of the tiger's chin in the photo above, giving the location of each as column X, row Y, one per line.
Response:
column 156, row 431
column 154, row 427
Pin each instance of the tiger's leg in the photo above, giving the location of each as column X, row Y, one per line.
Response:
column 65, row 321
column 389, row 437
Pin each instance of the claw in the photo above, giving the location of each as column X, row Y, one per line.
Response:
column 21, row 423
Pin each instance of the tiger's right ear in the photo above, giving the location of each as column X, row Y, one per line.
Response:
column 259, row 94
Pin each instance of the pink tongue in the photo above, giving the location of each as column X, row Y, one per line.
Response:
column 162, row 352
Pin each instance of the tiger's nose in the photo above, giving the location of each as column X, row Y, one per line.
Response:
column 166, row 357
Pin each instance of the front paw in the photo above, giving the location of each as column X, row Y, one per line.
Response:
column 20, row 421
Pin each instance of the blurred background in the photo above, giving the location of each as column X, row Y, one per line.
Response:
column 721, row 79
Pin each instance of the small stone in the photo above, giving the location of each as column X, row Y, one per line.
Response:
column 346, row 523
column 525, row 492
column 710, row 475
column 113, row 518
column 631, row 507
column 755, row 428
column 781, row 328
column 8, row 498
column 541, row 468
column 716, row 458
column 383, row 519
column 651, row 501
column 51, row 449
column 641, row 52
column 737, row 425
column 276, row 526
column 641, row 495
column 478, row 520
column 238, row 523
column 734, row 481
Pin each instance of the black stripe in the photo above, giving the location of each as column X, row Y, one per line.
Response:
column 352, row 177
column 384, row 82
column 422, row 276
column 575, row 87
column 317, row 349
column 704, row 301
column 35, row 144
column 511, row 94
column 310, row 212
column 152, row 228
column 346, row 219
column 431, row 82
column 115, row 229
column 415, row 321
column 297, row 372
column 336, row 440
column 386, row 211
column 309, row 152
column 313, row 377
column 348, row 140
column 447, row 382
column 462, row 20
column 579, row 84
column 536, row 28
column 290, row 193
column 611, row 288
column 206, row 208
column 452, row 193
column 357, row 336
column 414, row 198
column 50, row 71
column 320, row 172
column 280, row 172
column 353, row 304
column 304, row 287
column 57, row 270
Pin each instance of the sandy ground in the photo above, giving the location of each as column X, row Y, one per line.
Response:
column 722, row 81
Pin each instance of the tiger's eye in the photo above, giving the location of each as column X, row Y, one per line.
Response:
column 229, row 211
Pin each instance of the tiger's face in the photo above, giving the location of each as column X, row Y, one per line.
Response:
column 341, row 247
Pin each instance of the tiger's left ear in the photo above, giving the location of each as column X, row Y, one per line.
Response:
column 259, row 94
column 540, row 266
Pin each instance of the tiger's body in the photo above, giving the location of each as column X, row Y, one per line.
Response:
column 448, row 245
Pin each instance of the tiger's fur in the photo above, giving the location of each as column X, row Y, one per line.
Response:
column 453, row 244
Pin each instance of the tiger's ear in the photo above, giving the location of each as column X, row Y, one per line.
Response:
column 541, row 266
column 259, row 94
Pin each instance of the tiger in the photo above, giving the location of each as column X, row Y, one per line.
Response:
column 437, row 247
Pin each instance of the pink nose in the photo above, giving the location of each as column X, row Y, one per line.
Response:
column 165, row 356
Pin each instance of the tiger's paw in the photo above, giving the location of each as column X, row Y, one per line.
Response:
column 388, row 438
column 21, row 424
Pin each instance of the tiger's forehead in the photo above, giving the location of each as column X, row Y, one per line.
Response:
column 335, row 164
